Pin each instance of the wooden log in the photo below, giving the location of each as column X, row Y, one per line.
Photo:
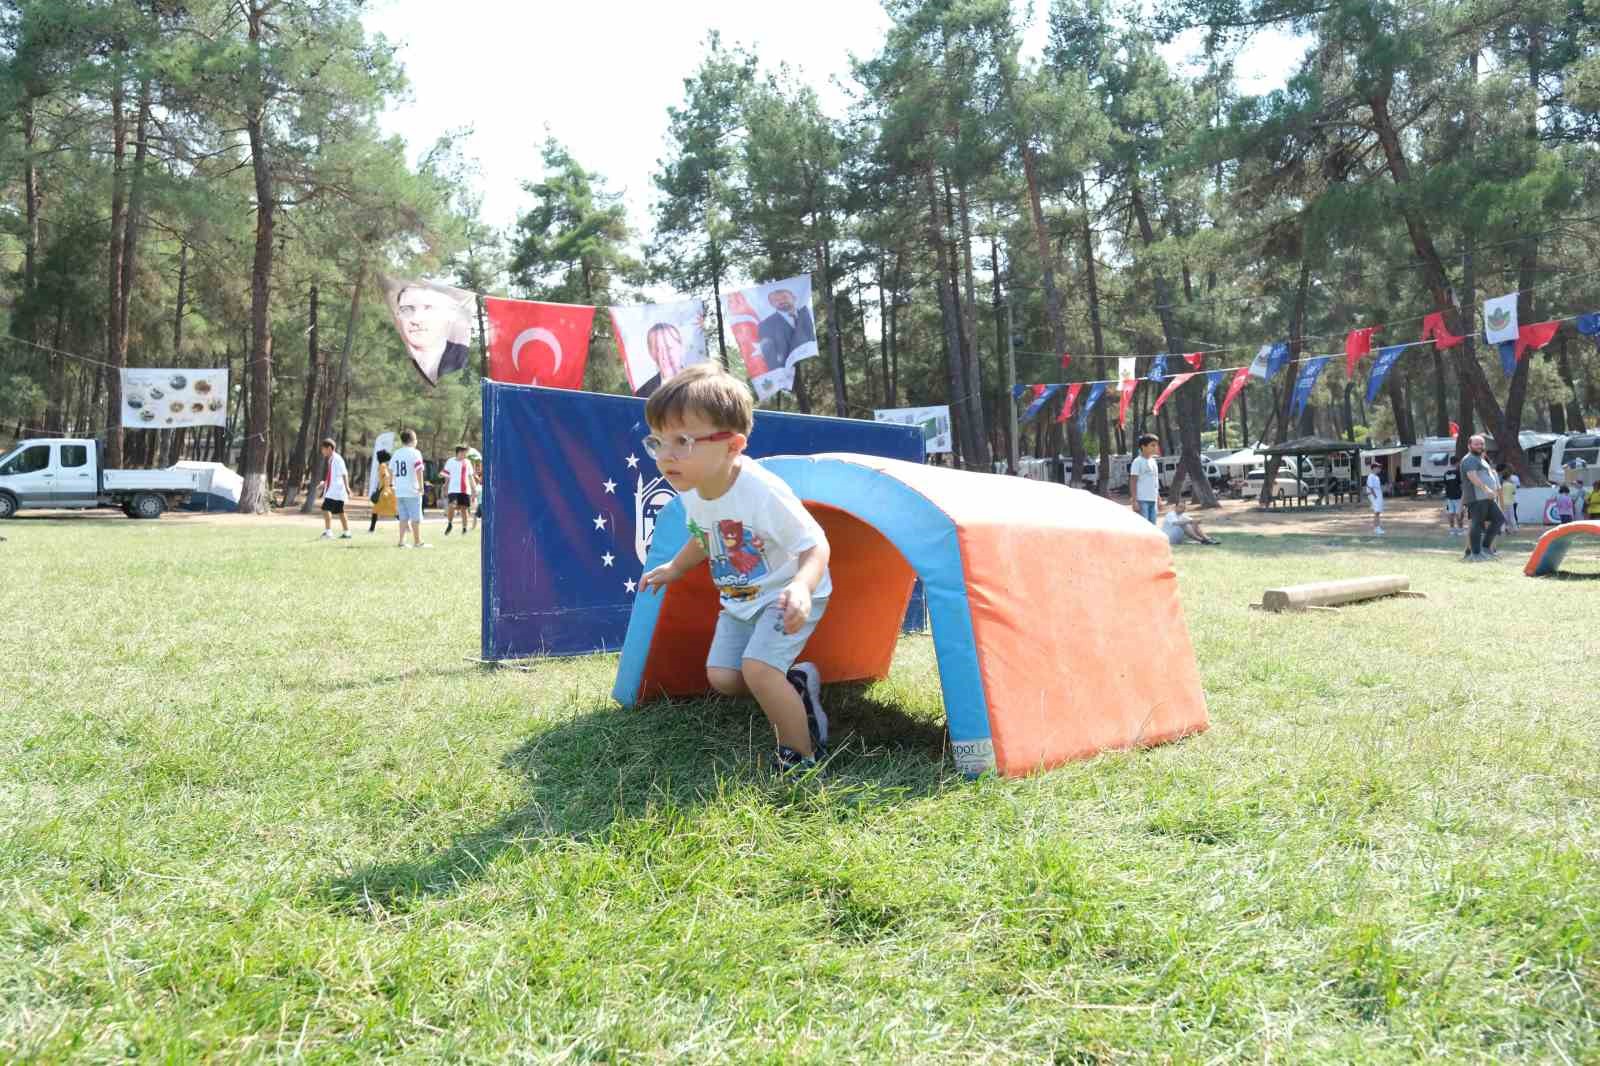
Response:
column 1327, row 594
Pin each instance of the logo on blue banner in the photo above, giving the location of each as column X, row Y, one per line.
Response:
column 1308, row 377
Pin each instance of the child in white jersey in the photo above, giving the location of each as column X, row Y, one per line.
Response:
column 768, row 556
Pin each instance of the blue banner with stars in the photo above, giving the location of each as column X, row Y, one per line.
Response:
column 571, row 501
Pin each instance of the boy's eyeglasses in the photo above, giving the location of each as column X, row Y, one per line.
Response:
column 679, row 443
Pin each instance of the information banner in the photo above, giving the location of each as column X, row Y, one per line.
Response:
column 174, row 399
column 933, row 421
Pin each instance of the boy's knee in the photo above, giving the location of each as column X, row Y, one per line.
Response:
column 727, row 682
column 756, row 672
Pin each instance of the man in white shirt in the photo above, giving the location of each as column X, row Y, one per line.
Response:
column 335, row 490
column 1145, row 475
column 1375, row 498
column 460, row 486
column 406, row 467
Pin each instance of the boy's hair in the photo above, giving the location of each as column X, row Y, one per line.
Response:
column 1147, row 438
column 704, row 389
column 1563, row 488
column 327, row 442
column 408, row 437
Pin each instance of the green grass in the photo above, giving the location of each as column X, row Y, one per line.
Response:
column 255, row 805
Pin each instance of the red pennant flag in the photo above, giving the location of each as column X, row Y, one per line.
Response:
column 1433, row 327
column 534, row 343
column 1455, row 430
column 1535, row 337
column 1357, row 344
column 1072, row 401
column 1234, row 389
column 1122, row 408
column 1038, row 391
column 1066, row 360
column 1177, row 383
column 1194, row 359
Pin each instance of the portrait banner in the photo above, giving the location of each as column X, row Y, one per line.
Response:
column 933, row 421
column 176, row 398
column 773, row 327
column 435, row 324
column 655, row 341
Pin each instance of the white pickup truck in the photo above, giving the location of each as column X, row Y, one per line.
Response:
column 69, row 473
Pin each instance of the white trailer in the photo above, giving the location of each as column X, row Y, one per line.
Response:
column 68, row 473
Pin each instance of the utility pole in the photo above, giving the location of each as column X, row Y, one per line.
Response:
column 1011, row 389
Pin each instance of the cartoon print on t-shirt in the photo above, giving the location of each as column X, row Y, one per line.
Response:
column 742, row 561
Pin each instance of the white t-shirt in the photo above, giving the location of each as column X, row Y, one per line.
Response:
column 404, row 465
column 1172, row 525
column 1147, row 471
column 752, row 535
column 1375, row 491
column 336, row 487
column 458, row 476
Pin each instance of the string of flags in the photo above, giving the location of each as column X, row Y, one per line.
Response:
column 1511, row 340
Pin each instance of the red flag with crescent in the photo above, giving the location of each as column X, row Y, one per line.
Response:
column 532, row 343
column 1071, row 402
column 1235, row 387
column 1357, row 344
column 1177, row 383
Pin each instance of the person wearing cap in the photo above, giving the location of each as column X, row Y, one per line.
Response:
column 1375, row 498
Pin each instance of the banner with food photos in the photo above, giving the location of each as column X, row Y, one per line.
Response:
column 772, row 325
column 934, row 422
column 176, row 398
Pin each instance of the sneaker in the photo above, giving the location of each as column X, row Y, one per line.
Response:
column 424, row 545
column 346, row 535
column 1478, row 558
column 1491, row 553
column 1378, row 532
column 447, row 530
column 402, row 544
column 807, row 680
column 788, row 762
column 327, row 534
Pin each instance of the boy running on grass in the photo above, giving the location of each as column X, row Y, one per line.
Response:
column 768, row 556
column 335, row 489
column 460, row 486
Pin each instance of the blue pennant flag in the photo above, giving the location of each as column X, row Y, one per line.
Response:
column 1038, row 404
column 1308, row 377
column 1380, row 368
column 1589, row 326
column 1087, row 405
column 1277, row 358
column 1018, row 390
column 1213, row 379
column 1158, row 369
column 1508, row 357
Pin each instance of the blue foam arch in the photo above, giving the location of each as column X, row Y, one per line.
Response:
column 917, row 529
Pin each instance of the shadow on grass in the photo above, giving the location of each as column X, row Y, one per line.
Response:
column 589, row 774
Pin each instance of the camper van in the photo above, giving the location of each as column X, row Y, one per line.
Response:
column 1169, row 470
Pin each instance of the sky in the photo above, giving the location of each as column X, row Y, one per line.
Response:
column 600, row 75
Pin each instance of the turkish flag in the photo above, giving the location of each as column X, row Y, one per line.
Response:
column 1072, row 401
column 1357, row 344
column 1237, row 386
column 533, row 343
column 1535, row 337
column 1177, row 383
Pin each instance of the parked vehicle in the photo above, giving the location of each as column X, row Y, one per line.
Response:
column 1283, row 486
column 70, row 474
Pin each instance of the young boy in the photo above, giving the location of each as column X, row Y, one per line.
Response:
column 335, row 490
column 405, row 468
column 768, row 556
column 460, row 486
column 1375, row 499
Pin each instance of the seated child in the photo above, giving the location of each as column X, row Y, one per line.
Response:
column 768, row 556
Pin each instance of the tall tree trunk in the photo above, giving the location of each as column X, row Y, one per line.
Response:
column 1403, row 425
column 1052, row 295
column 1441, row 421
column 1091, row 283
column 115, row 350
column 308, row 408
column 1285, row 405
column 1574, row 407
column 835, row 333
column 1191, row 463
column 968, row 430
column 255, row 497
column 338, row 386
column 972, row 368
column 134, row 218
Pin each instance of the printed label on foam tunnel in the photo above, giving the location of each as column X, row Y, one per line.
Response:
column 973, row 757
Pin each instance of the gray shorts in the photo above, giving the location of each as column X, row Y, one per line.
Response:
column 762, row 640
column 408, row 508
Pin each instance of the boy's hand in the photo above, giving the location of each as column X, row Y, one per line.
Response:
column 795, row 603
column 659, row 578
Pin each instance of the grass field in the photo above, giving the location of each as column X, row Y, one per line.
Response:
column 255, row 805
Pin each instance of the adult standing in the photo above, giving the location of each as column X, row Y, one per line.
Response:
column 1480, row 488
column 406, row 468
column 1145, row 474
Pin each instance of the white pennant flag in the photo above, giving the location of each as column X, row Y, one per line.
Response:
column 1127, row 374
column 1500, row 318
column 1263, row 360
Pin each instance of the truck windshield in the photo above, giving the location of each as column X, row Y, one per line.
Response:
column 33, row 458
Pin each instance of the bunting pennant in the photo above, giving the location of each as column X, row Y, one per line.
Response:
column 1455, row 430
column 1041, row 396
column 1500, row 318
column 1066, row 360
column 1194, row 359
column 1127, row 373
column 532, row 343
column 1508, row 357
column 1380, row 368
column 1158, row 369
column 1122, row 406
column 1309, row 372
column 1433, row 328
column 1240, row 377
column 1177, row 383
column 1018, row 390
column 1535, row 337
column 1071, row 401
column 1213, row 379
column 1357, row 344
column 1269, row 360
column 1589, row 326
column 1089, row 401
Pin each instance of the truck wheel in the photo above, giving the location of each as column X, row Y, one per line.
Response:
column 147, row 505
column 8, row 505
